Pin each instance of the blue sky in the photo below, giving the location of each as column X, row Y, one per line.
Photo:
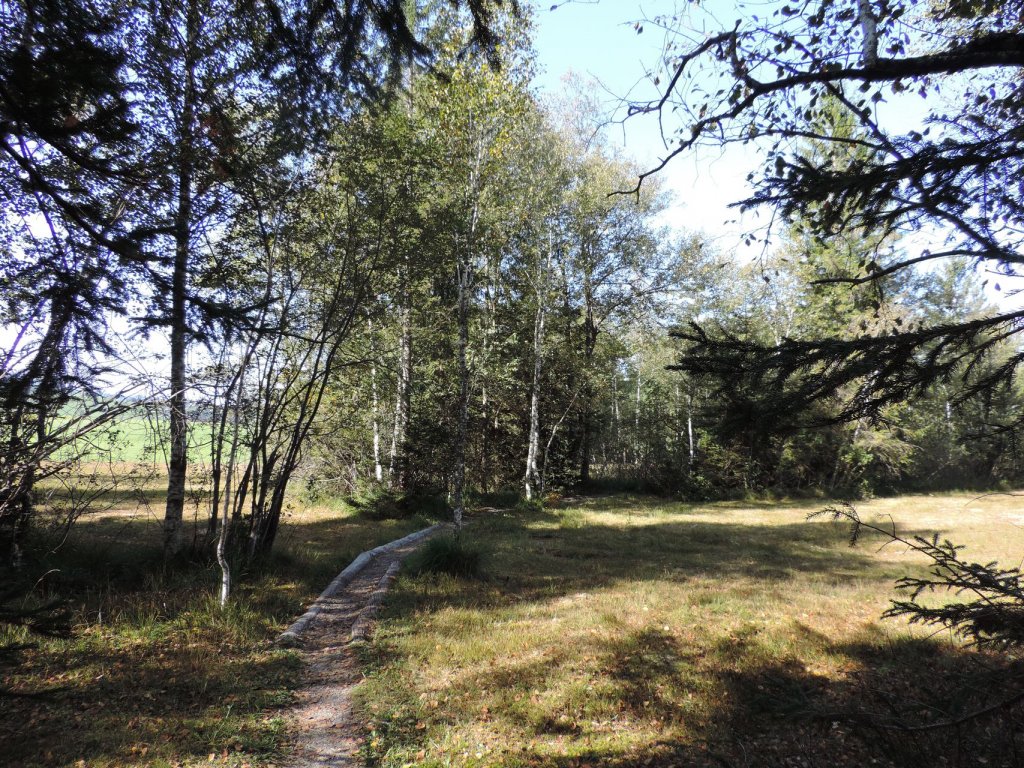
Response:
column 598, row 38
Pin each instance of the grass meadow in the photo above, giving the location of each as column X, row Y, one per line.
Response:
column 615, row 631
column 633, row 632
column 154, row 673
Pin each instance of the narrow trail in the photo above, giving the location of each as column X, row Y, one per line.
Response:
column 325, row 731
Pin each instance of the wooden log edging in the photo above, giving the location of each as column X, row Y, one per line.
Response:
column 291, row 635
column 361, row 626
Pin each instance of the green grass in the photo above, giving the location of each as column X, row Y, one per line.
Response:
column 620, row 631
column 139, row 438
column 629, row 632
column 155, row 674
column 447, row 555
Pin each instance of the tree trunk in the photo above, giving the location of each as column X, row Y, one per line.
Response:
column 590, row 333
column 618, row 446
column 689, row 429
column 636, row 422
column 378, row 470
column 225, row 523
column 178, row 464
column 463, row 404
column 398, row 465
column 532, row 480
column 585, row 439
column 218, row 429
column 29, row 405
column 465, row 276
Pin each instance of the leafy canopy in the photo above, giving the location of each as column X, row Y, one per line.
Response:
column 951, row 180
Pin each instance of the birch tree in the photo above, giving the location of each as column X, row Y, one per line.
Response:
column 477, row 114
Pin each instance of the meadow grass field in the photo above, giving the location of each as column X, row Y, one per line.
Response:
column 630, row 632
column 615, row 631
column 155, row 673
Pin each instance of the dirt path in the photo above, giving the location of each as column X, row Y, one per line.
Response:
column 325, row 732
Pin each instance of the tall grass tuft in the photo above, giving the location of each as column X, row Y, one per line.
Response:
column 449, row 555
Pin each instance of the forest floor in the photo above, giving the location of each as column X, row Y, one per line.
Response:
column 615, row 631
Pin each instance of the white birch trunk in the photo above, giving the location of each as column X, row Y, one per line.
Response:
column 532, row 480
column 636, row 420
column 222, row 534
column 689, row 427
column 869, row 29
column 619, row 451
column 463, row 415
column 465, row 270
column 378, row 470
column 403, row 396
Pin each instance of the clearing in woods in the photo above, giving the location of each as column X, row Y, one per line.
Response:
column 630, row 632
column 616, row 631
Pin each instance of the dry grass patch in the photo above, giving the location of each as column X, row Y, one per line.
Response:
column 629, row 632
column 155, row 674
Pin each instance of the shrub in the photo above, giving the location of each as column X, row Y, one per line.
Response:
column 379, row 503
column 533, row 506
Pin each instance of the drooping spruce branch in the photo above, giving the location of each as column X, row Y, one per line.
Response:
column 861, row 375
column 989, row 609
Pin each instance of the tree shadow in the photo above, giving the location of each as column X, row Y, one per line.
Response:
column 181, row 698
column 779, row 713
column 154, row 670
column 568, row 554
column 767, row 708
column 183, row 692
column 898, row 704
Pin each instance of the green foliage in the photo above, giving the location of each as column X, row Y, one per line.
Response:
column 379, row 503
column 993, row 614
column 531, row 506
column 914, row 362
column 451, row 555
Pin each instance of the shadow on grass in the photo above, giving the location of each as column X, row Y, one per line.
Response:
column 567, row 554
column 774, row 713
column 889, row 709
column 172, row 690
column 753, row 704
column 154, row 670
column 163, row 678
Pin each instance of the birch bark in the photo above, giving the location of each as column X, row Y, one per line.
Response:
column 532, row 479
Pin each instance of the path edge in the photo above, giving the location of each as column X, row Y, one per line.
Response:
column 292, row 635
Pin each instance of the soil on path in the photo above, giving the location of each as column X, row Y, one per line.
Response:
column 325, row 732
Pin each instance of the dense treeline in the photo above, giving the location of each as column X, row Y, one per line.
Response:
column 422, row 286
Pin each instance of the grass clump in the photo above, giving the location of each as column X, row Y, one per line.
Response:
column 449, row 555
column 533, row 506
